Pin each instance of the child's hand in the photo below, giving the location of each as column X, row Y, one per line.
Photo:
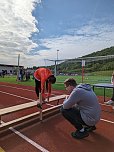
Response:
column 47, row 99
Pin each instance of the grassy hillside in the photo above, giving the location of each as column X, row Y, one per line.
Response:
column 73, row 66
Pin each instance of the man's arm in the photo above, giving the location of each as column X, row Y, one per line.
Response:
column 72, row 100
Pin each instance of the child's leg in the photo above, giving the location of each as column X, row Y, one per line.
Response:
column 37, row 87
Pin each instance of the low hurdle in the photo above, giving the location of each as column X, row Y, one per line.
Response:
column 39, row 114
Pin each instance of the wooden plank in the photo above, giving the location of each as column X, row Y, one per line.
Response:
column 1, row 150
column 27, row 105
column 18, row 120
column 45, row 112
column 57, row 97
column 17, row 108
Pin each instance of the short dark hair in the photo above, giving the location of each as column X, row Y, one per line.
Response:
column 71, row 82
column 52, row 79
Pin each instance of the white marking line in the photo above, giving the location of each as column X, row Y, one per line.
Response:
column 16, row 96
column 28, row 140
column 103, row 104
column 107, row 105
column 22, row 97
column 107, row 121
column 17, row 88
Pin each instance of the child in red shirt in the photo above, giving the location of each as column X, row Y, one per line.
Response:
column 43, row 79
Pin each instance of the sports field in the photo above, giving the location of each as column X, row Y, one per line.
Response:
column 53, row 133
column 59, row 85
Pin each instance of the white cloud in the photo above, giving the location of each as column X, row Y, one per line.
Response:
column 17, row 24
column 86, row 40
column 16, row 27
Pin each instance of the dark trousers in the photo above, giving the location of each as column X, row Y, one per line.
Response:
column 37, row 87
column 74, row 117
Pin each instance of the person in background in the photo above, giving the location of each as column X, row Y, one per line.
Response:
column 111, row 101
column 43, row 80
column 81, row 108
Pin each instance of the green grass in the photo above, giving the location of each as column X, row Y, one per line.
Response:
column 59, row 85
column 12, row 79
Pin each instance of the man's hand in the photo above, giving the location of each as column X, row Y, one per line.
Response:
column 66, row 96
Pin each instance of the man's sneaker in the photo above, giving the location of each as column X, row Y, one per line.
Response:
column 110, row 102
column 90, row 129
column 79, row 135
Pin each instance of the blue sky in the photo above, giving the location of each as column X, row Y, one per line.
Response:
column 36, row 29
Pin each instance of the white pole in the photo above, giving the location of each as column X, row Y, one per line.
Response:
column 57, row 56
column 55, row 68
column 83, row 64
column 57, row 61
column 18, row 67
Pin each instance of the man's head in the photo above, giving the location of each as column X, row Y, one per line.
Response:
column 52, row 79
column 70, row 84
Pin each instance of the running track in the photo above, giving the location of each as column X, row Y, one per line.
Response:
column 53, row 134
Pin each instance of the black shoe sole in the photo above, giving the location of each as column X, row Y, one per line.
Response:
column 79, row 137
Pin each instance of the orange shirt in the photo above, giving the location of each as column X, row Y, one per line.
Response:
column 42, row 74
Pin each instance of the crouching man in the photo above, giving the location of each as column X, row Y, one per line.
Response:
column 81, row 108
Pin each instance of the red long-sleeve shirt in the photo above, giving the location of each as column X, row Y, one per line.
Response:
column 42, row 74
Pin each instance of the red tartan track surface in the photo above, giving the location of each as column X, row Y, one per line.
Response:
column 53, row 134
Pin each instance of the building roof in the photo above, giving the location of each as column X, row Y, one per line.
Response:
column 9, row 65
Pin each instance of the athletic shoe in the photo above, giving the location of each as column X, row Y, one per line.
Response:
column 39, row 106
column 43, row 101
column 110, row 102
column 90, row 129
column 79, row 135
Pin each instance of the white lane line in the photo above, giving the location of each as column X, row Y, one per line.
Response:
column 42, row 149
column 23, row 97
column 107, row 121
column 29, row 140
column 16, row 96
column 17, row 88
column 105, row 105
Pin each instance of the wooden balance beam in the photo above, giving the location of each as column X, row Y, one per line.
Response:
column 20, row 107
column 16, row 108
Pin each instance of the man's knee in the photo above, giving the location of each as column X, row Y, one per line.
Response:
column 61, row 109
column 64, row 111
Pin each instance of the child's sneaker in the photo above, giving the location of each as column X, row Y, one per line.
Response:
column 79, row 135
column 39, row 106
